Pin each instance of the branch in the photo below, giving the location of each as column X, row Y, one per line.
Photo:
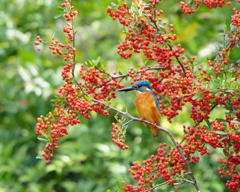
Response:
column 194, row 182
column 112, row 77
column 123, row 125
column 169, row 181
column 164, row 183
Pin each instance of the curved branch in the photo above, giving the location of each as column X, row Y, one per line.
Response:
column 194, row 182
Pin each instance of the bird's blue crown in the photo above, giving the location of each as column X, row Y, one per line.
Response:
column 140, row 84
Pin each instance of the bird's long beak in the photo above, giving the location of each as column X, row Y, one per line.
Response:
column 126, row 89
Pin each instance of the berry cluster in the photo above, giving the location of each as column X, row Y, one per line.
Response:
column 55, row 45
column 146, row 33
column 98, row 84
column 70, row 13
column 54, row 126
column 190, row 7
column 230, row 170
column 217, row 137
column 118, row 137
column 71, row 103
column 167, row 164
column 236, row 18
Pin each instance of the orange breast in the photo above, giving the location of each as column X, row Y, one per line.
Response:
column 148, row 110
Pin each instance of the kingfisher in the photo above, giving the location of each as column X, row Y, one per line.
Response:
column 147, row 104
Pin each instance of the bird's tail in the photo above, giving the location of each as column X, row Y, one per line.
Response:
column 154, row 130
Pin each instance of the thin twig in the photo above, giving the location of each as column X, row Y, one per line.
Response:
column 164, row 183
column 177, row 58
column 123, row 125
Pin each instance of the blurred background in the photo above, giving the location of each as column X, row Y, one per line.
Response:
column 87, row 160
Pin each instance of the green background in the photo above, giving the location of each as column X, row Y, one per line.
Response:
column 87, row 159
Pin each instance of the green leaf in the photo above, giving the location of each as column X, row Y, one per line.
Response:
column 220, row 140
column 197, row 137
column 229, row 91
column 119, row 186
column 233, row 121
column 57, row 16
column 221, row 132
column 160, row 25
column 87, row 98
column 211, row 71
column 113, row 4
column 60, row 8
column 41, row 138
column 221, row 120
column 125, row 131
column 228, row 106
column 238, row 80
column 177, row 184
column 98, row 60
column 208, row 123
column 44, row 134
column 89, row 63
column 134, row 9
column 234, row 84
column 212, row 84
column 197, row 96
column 98, row 64
column 225, row 152
column 39, row 157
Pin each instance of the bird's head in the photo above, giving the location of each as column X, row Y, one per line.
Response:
column 139, row 86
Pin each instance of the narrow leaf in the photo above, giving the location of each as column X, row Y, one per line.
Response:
column 98, row 60
column 212, row 84
column 227, row 23
column 39, row 157
column 114, row 4
column 134, row 9
column 60, row 8
column 40, row 138
column 221, row 120
column 225, row 152
column 221, row 132
column 208, row 123
column 57, row 16
column 196, row 96
column 233, row 121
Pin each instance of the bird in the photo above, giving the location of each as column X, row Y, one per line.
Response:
column 147, row 104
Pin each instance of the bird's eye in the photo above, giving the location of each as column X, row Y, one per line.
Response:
column 136, row 86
